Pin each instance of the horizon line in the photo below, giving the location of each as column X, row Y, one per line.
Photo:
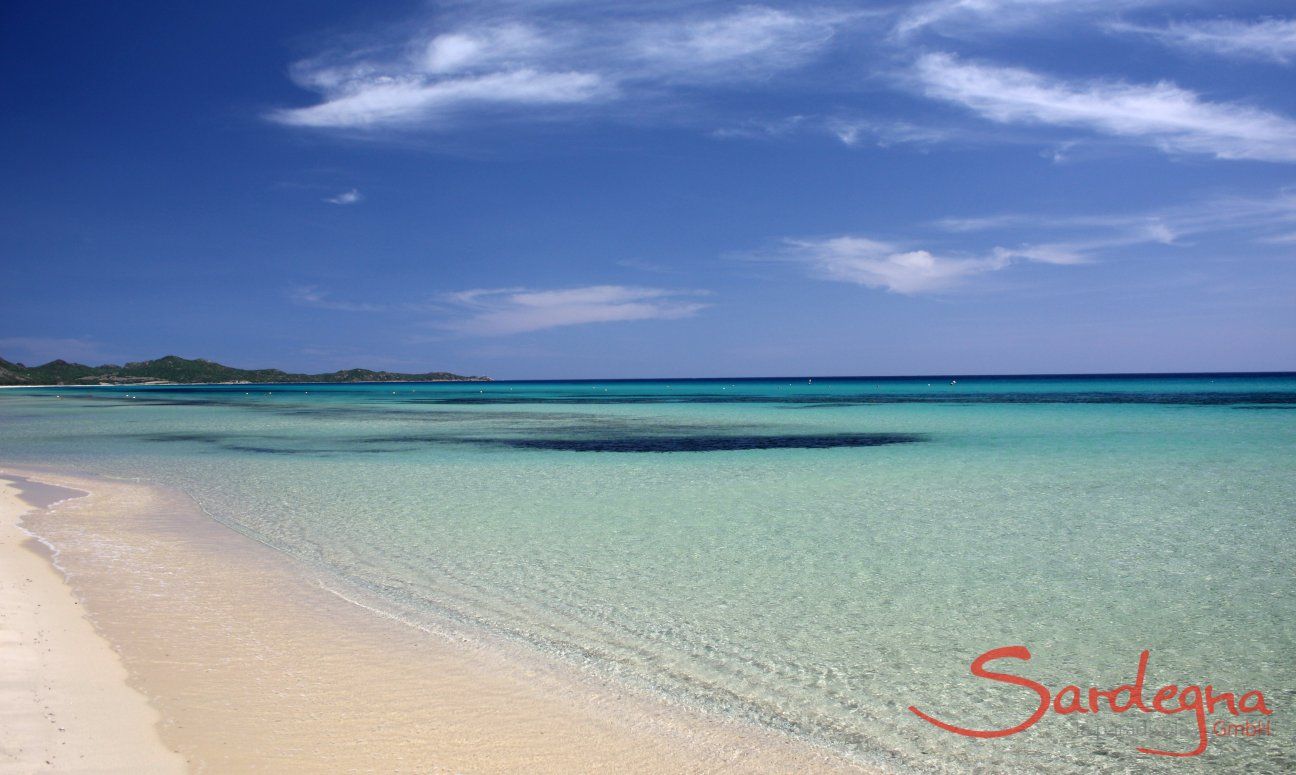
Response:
column 809, row 377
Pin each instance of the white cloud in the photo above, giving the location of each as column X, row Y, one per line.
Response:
column 877, row 264
column 1041, row 239
column 958, row 17
column 346, row 197
column 395, row 100
column 886, row 265
column 1278, row 239
column 502, row 311
column 312, row 296
column 1271, row 39
column 1243, row 217
column 641, row 265
column 748, row 41
column 762, row 129
column 855, row 132
column 1161, row 114
column 474, row 48
column 477, row 66
column 686, row 64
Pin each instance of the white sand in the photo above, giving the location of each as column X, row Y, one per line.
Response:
column 256, row 668
column 65, row 705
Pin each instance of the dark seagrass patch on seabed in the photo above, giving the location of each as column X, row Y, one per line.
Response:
column 590, row 442
column 1173, row 398
column 712, row 443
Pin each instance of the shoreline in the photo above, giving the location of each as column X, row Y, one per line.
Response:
column 258, row 384
column 775, row 378
column 235, row 641
column 65, row 700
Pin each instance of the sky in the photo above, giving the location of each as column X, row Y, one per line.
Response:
column 549, row 189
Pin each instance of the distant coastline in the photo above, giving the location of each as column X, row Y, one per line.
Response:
column 174, row 370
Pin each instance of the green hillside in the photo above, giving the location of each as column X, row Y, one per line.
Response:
column 175, row 369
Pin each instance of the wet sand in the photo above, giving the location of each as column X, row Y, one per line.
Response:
column 65, row 704
column 257, row 663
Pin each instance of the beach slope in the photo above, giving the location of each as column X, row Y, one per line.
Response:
column 256, row 663
column 65, row 704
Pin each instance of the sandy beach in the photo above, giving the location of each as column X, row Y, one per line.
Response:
column 227, row 656
column 65, row 704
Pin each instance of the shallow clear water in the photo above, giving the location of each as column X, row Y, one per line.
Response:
column 817, row 556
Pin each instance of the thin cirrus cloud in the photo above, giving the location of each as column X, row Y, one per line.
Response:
column 350, row 197
column 504, row 311
column 313, row 296
column 1267, row 39
column 1162, row 114
column 964, row 17
column 885, row 265
column 534, row 63
column 853, row 132
column 394, row 101
column 1257, row 219
column 491, row 66
column 1070, row 240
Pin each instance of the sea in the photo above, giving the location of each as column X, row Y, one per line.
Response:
column 818, row 555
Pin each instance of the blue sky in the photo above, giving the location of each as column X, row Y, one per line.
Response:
column 552, row 189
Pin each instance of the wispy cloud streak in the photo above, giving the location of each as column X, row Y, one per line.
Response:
column 345, row 198
column 503, row 311
column 1266, row 39
column 897, row 268
column 313, row 296
column 1246, row 218
column 906, row 268
column 482, row 66
column 960, row 17
column 1161, row 114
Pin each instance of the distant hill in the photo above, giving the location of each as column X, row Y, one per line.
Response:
column 176, row 370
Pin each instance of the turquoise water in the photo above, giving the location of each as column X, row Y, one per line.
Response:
column 816, row 556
